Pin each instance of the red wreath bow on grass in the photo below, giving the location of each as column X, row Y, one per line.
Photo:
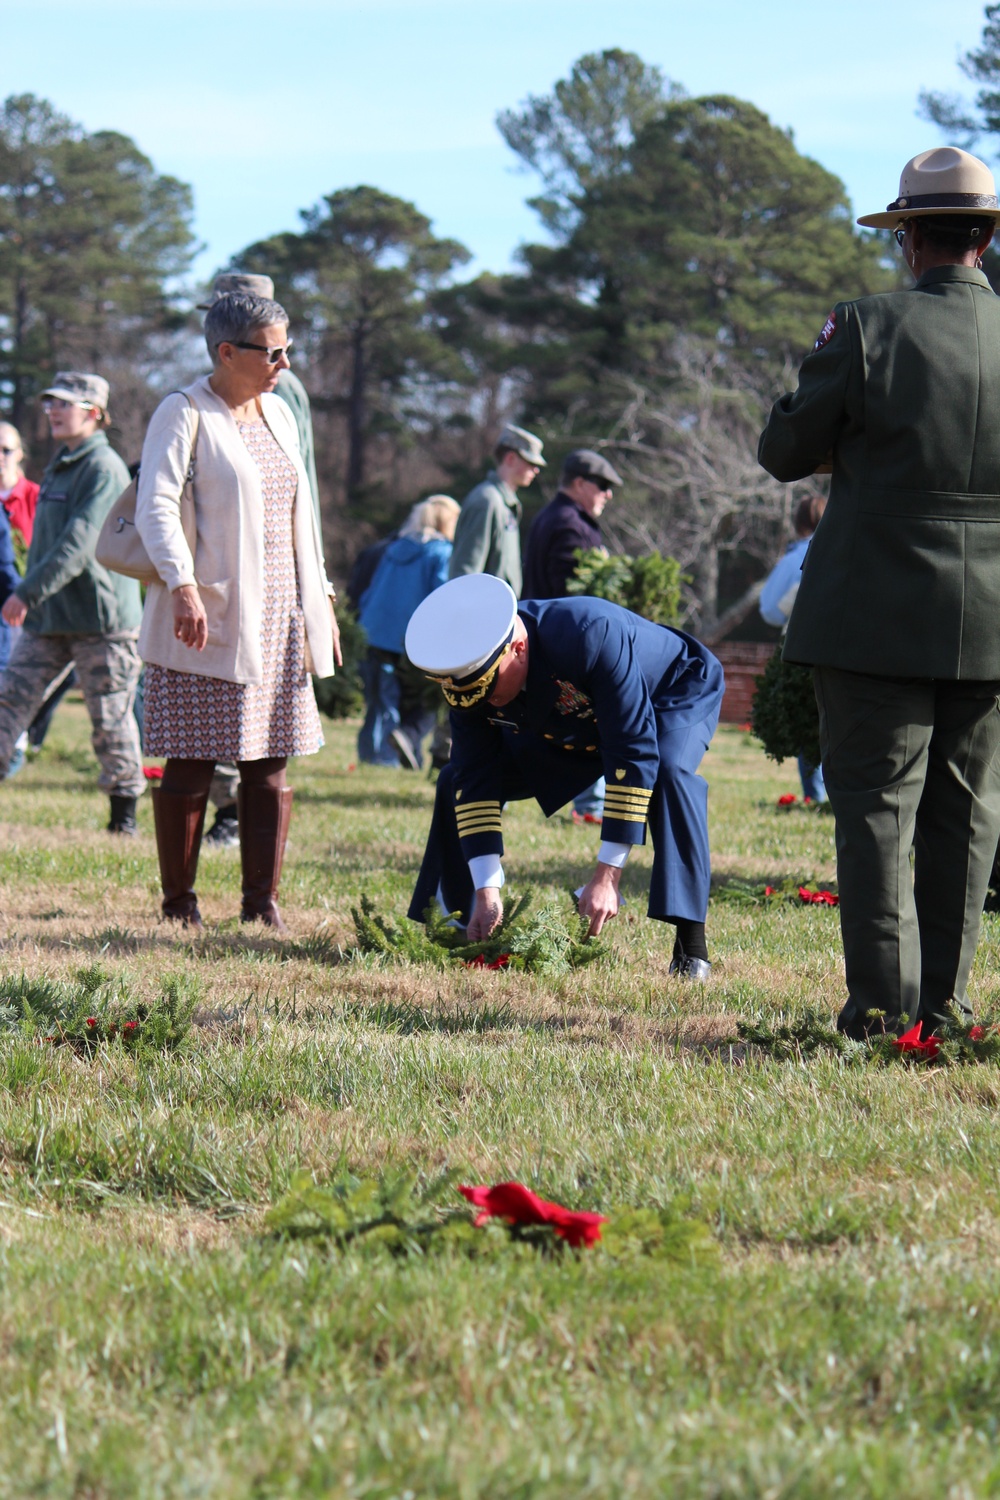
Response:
column 153, row 773
column 479, row 962
column 810, row 898
column 516, row 1203
column 910, row 1042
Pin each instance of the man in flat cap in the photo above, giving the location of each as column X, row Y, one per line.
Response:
column 488, row 538
column 542, row 696
column 224, row 832
column 569, row 521
column 899, row 603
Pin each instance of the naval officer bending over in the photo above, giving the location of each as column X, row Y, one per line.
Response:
column 544, row 696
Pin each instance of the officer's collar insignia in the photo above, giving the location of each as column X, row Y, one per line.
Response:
column 619, row 775
column 466, row 692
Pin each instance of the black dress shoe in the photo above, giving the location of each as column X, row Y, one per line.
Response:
column 225, row 831
column 685, row 967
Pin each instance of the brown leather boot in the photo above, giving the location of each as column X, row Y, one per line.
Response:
column 265, row 812
column 179, row 818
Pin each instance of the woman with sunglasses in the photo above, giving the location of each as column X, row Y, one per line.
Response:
column 242, row 610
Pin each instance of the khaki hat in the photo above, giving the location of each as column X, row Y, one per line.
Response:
column 239, row 281
column 460, row 633
column 524, row 444
column 943, row 181
column 584, row 463
column 81, row 390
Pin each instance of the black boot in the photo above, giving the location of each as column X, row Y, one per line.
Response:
column 123, row 816
column 225, row 831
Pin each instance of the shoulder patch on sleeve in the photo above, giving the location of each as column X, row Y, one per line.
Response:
column 826, row 332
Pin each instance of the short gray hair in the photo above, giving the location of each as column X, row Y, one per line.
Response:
column 232, row 318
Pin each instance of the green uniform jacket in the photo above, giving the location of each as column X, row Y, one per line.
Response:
column 902, row 578
column 66, row 591
column 294, row 394
column 487, row 539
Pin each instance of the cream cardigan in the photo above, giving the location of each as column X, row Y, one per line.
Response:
column 228, row 561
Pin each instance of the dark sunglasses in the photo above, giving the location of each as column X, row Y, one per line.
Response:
column 899, row 235
column 273, row 355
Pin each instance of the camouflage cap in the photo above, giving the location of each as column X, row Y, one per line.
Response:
column 239, row 281
column 80, row 389
column 524, row 444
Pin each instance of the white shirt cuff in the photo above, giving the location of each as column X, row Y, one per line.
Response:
column 487, row 872
column 613, row 854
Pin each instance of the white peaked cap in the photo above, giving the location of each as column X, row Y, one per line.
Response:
column 461, row 625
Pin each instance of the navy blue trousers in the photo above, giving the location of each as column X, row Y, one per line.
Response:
column 678, row 821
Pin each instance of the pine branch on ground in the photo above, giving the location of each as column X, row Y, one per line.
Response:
column 551, row 941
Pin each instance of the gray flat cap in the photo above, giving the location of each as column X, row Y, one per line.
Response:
column 584, row 463
column 524, row 444
column 239, row 281
column 80, row 389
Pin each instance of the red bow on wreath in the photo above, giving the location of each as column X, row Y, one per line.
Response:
column 910, row 1042
column 517, row 1204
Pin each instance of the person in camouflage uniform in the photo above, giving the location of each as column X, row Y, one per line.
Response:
column 72, row 609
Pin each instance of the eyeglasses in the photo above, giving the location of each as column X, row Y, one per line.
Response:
column 273, row 355
column 899, row 235
column 56, row 403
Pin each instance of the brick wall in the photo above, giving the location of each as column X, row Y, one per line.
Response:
column 743, row 661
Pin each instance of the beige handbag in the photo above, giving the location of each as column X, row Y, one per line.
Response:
column 119, row 545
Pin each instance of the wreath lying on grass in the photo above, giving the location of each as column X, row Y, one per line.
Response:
column 393, row 1212
column 955, row 1040
column 787, row 892
column 97, row 1009
column 550, row 941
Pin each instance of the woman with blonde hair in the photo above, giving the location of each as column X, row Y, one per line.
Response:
column 398, row 714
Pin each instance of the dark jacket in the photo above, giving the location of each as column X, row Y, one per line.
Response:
column 903, row 574
column 67, row 592
column 603, row 685
column 555, row 534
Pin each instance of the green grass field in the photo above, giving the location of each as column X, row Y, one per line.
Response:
column 156, row 1341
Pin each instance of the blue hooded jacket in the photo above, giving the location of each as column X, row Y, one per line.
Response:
column 409, row 570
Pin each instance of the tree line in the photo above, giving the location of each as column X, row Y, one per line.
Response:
column 688, row 255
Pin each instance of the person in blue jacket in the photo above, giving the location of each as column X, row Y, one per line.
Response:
column 413, row 565
column 776, row 600
column 543, row 696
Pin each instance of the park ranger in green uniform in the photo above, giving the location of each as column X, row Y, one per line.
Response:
column 899, row 607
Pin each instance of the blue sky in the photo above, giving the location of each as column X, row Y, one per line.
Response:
column 266, row 107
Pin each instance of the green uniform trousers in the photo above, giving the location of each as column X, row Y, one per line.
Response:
column 912, row 767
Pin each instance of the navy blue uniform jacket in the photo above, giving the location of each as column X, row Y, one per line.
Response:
column 602, row 684
column 555, row 534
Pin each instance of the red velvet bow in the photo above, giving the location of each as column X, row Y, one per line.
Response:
column 517, row 1204
column 479, row 962
column 818, row 898
column 787, row 799
column 910, row 1042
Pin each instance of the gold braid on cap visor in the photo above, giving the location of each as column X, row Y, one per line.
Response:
column 465, row 693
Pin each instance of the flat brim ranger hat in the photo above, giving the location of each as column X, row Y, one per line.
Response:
column 460, row 634
column 946, row 180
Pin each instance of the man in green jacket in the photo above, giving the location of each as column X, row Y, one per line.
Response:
column 899, row 607
column 74, row 611
column 488, row 537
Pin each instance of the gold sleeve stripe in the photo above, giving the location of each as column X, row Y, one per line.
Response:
column 462, row 807
column 629, row 791
column 474, row 828
column 627, row 797
column 611, row 817
column 483, row 817
column 628, row 804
